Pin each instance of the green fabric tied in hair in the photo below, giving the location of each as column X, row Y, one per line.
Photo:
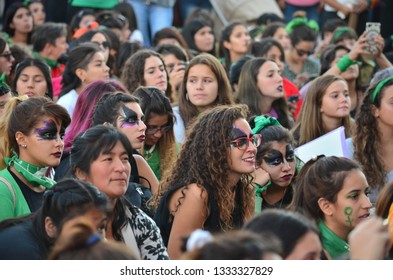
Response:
column 378, row 88
column 264, row 121
column 302, row 21
column 343, row 30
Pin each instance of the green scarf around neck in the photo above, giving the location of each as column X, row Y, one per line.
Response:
column 35, row 175
column 51, row 62
column 335, row 246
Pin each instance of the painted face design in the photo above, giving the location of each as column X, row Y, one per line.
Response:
column 49, row 132
column 275, row 158
column 129, row 117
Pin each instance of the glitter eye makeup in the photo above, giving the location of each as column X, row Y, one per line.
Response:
column 48, row 131
column 129, row 117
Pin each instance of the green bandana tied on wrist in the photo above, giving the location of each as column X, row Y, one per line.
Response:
column 35, row 175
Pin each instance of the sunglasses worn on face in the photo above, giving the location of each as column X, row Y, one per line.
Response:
column 243, row 142
column 105, row 45
column 302, row 52
column 7, row 55
column 152, row 129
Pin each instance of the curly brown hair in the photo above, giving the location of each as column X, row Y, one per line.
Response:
column 203, row 160
column 367, row 138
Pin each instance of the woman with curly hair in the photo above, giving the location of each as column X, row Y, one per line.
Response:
column 210, row 187
column 372, row 136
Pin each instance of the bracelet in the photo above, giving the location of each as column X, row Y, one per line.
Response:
column 344, row 63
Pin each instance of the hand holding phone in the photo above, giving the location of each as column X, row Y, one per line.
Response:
column 373, row 29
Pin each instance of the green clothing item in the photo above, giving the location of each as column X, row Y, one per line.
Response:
column 153, row 160
column 333, row 244
column 99, row 4
column 7, row 208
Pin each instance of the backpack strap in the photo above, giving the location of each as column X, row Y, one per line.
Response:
column 10, row 188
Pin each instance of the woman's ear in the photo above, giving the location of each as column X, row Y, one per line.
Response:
column 80, row 174
column 50, row 227
column 325, row 206
column 20, row 138
column 81, row 74
column 375, row 111
column 227, row 45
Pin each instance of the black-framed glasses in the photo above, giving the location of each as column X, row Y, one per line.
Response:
column 243, row 142
column 152, row 129
column 303, row 52
column 7, row 55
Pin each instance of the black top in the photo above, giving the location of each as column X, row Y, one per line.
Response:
column 33, row 199
column 22, row 242
column 164, row 219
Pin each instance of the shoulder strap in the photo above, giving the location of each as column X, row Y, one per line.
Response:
column 10, row 188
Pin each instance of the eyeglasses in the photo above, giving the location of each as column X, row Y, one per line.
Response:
column 105, row 44
column 152, row 129
column 243, row 142
column 303, row 52
column 7, row 55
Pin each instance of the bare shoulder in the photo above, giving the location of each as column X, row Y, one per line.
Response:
column 193, row 196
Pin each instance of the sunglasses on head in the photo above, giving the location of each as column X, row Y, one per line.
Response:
column 243, row 142
column 303, row 52
column 7, row 55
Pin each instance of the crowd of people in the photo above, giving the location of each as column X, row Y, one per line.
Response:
column 134, row 130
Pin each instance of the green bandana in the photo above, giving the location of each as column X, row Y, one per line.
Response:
column 35, row 175
column 51, row 62
column 258, row 196
column 331, row 242
column 264, row 121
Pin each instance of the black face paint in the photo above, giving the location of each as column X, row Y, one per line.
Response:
column 275, row 158
column 129, row 117
column 49, row 131
column 237, row 133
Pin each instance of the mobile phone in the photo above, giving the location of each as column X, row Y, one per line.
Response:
column 372, row 29
column 293, row 98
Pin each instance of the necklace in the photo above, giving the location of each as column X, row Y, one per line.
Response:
column 149, row 153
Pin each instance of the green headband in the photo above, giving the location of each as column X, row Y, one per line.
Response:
column 342, row 30
column 301, row 21
column 378, row 88
column 264, row 121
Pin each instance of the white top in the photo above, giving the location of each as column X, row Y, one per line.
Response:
column 68, row 101
column 348, row 3
column 179, row 127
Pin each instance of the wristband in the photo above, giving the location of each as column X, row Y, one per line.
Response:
column 344, row 63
